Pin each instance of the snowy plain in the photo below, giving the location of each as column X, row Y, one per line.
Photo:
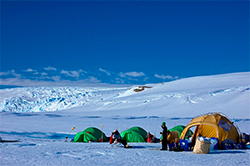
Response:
column 41, row 117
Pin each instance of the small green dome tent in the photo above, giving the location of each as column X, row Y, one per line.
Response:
column 84, row 137
column 132, row 136
column 98, row 134
column 139, row 130
column 90, row 134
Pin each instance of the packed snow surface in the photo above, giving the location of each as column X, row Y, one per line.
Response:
column 41, row 117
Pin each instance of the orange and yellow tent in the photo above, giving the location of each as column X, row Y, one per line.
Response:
column 213, row 125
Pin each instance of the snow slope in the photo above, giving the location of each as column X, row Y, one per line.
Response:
column 227, row 93
column 41, row 117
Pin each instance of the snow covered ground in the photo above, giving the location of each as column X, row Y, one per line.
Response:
column 41, row 117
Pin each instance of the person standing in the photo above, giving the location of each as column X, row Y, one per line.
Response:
column 164, row 136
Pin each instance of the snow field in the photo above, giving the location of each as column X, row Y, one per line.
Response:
column 41, row 117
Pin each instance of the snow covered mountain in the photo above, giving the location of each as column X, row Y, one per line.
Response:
column 41, row 117
column 228, row 93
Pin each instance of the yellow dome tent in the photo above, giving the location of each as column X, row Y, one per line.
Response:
column 213, row 125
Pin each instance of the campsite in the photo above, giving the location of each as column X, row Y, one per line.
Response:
column 42, row 134
column 124, row 83
column 48, row 147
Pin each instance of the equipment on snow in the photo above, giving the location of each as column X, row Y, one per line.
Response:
column 2, row 141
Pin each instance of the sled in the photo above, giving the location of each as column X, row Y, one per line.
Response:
column 2, row 141
column 156, row 149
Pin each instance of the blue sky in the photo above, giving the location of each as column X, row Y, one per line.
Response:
column 121, row 42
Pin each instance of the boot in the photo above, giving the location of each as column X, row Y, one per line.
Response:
column 127, row 146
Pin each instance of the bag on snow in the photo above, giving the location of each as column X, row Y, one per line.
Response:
column 202, row 147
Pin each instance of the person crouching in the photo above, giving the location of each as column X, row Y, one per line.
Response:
column 116, row 137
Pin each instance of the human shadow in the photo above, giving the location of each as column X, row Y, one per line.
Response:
column 138, row 147
column 226, row 152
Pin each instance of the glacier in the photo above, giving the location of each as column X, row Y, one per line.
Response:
column 46, row 99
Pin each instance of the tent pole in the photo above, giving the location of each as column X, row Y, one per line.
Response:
column 155, row 130
column 102, row 132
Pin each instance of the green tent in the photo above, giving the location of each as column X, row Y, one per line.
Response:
column 84, row 137
column 179, row 129
column 139, row 130
column 90, row 134
column 134, row 134
column 98, row 134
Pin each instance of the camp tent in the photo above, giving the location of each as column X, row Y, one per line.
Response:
column 90, row 134
column 98, row 134
column 179, row 129
column 213, row 125
column 139, row 130
column 134, row 134
column 84, row 137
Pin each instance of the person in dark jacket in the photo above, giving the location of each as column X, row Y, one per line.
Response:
column 116, row 137
column 164, row 133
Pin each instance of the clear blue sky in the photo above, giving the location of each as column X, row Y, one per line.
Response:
column 122, row 42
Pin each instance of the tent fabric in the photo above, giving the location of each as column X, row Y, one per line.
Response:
column 139, row 130
column 90, row 134
column 134, row 134
column 179, row 129
column 213, row 125
column 96, row 133
column 84, row 137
